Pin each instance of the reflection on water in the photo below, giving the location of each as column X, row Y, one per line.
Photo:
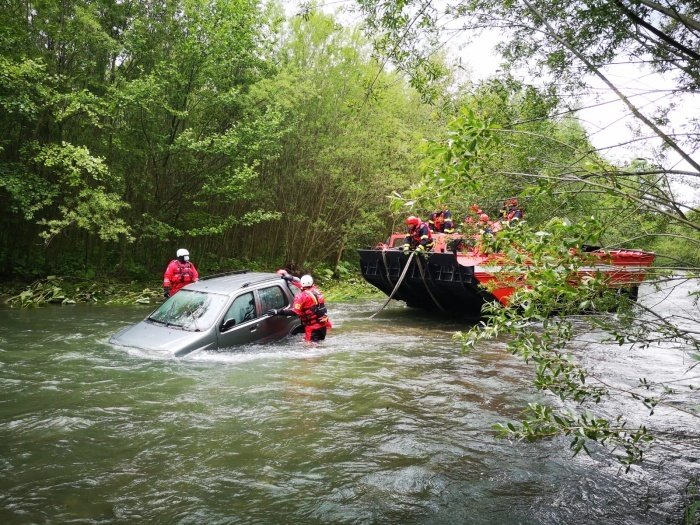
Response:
column 385, row 422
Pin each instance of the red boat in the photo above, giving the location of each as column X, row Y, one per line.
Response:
column 460, row 281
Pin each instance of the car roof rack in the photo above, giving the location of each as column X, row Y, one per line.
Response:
column 224, row 274
column 250, row 283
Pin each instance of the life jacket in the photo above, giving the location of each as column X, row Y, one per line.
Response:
column 420, row 232
column 436, row 221
column 316, row 313
column 514, row 214
column 184, row 273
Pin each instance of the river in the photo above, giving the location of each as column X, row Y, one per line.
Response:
column 385, row 422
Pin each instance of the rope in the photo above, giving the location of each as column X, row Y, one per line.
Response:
column 420, row 267
column 398, row 283
column 386, row 266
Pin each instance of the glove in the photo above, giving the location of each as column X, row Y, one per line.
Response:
column 284, row 274
column 272, row 311
column 405, row 248
column 166, row 292
column 420, row 248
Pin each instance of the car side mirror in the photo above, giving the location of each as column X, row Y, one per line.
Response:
column 228, row 323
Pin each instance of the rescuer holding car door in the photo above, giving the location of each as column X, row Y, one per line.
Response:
column 309, row 305
column 179, row 272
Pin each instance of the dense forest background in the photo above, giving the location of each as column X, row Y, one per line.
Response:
column 131, row 129
column 134, row 128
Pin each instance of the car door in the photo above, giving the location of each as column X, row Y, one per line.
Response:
column 241, row 323
column 278, row 326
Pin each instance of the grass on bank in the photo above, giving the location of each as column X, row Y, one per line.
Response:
column 62, row 290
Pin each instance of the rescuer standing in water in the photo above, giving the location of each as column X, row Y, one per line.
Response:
column 309, row 305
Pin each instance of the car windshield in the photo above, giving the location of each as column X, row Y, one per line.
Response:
column 190, row 310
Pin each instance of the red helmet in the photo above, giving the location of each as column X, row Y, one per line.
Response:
column 512, row 202
column 483, row 217
column 412, row 221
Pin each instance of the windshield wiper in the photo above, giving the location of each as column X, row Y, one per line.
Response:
column 191, row 313
column 167, row 316
column 165, row 323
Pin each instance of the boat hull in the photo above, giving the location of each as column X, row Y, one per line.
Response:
column 459, row 283
column 434, row 281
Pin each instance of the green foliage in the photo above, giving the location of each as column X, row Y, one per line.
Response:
column 80, row 180
column 540, row 421
column 352, row 138
column 40, row 293
column 212, row 124
column 343, row 283
column 458, row 161
column 27, row 192
column 677, row 244
column 64, row 291
column 544, row 318
column 499, row 142
column 23, row 88
column 120, row 116
column 691, row 515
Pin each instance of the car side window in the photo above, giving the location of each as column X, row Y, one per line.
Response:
column 293, row 290
column 272, row 297
column 242, row 309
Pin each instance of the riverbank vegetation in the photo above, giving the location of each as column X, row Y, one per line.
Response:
column 257, row 140
column 339, row 284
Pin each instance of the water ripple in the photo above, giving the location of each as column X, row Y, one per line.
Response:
column 385, row 422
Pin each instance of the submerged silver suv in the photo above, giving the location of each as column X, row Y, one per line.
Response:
column 215, row 313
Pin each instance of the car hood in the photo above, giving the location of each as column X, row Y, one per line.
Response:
column 162, row 339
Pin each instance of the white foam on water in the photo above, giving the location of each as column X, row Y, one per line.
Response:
column 293, row 348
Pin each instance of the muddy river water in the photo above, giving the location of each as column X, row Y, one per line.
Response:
column 385, row 422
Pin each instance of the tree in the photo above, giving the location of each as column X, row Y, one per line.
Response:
column 48, row 176
column 131, row 120
column 132, row 126
column 565, row 43
column 343, row 151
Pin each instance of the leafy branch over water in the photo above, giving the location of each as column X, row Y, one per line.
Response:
column 542, row 325
column 582, row 201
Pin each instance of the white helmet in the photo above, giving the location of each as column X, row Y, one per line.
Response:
column 307, row 280
column 181, row 252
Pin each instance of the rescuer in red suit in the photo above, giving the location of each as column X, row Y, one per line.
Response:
column 511, row 211
column 485, row 225
column 441, row 221
column 419, row 237
column 179, row 272
column 309, row 305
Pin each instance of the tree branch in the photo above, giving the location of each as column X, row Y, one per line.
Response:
column 670, row 142
column 672, row 13
column 663, row 36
